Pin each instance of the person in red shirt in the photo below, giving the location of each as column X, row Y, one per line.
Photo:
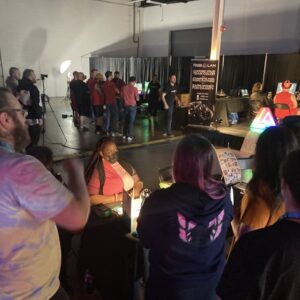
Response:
column 91, row 84
column 112, row 115
column 98, row 102
column 285, row 98
column 130, row 95
column 92, row 80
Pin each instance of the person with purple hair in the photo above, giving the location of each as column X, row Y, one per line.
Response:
column 185, row 227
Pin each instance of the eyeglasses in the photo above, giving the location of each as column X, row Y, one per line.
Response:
column 23, row 111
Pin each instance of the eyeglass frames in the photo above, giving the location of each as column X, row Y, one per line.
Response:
column 23, row 111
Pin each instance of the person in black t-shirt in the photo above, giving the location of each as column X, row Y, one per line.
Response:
column 153, row 96
column 82, row 95
column 34, row 106
column 169, row 97
column 265, row 264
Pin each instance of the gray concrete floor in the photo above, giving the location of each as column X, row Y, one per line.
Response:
column 64, row 138
column 148, row 152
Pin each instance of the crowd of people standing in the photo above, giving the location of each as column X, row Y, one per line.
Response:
column 113, row 104
column 108, row 100
column 184, row 226
column 105, row 100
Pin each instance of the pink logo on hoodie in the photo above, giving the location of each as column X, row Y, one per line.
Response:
column 216, row 225
column 185, row 228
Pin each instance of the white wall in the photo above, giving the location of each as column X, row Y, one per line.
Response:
column 41, row 34
column 253, row 26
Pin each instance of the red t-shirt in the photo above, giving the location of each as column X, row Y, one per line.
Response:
column 97, row 98
column 109, row 90
column 129, row 93
column 91, row 84
column 113, row 182
column 284, row 98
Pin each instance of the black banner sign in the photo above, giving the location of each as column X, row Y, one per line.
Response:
column 203, row 91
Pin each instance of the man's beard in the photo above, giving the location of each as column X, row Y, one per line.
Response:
column 21, row 136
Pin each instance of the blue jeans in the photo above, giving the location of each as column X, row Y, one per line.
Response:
column 112, row 118
column 168, row 118
column 129, row 117
column 120, row 111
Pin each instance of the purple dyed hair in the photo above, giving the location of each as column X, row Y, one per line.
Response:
column 192, row 164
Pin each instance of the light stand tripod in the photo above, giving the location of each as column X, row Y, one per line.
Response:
column 45, row 98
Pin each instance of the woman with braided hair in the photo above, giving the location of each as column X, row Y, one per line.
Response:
column 107, row 178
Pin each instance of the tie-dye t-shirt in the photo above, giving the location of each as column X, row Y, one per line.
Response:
column 29, row 245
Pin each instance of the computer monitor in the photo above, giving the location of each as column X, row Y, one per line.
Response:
column 146, row 84
column 244, row 93
column 139, row 86
column 292, row 89
column 234, row 93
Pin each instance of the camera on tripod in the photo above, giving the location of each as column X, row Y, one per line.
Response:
column 43, row 76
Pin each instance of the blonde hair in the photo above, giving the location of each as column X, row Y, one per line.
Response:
column 99, row 77
column 257, row 86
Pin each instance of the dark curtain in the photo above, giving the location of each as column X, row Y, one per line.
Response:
column 221, row 72
column 181, row 67
column 155, row 65
column 104, row 64
column 141, row 68
column 281, row 67
column 240, row 71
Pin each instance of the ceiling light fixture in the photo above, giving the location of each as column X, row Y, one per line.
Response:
column 135, row 1
column 155, row 2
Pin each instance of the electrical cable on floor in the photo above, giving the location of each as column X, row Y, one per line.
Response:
column 69, row 147
column 85, row 152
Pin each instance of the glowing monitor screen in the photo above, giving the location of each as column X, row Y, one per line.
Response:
column 244, row 93
column 292, row 89
column 247, row 175
column 139, row 86
column 146, row 84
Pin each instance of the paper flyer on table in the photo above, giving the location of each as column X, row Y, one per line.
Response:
column 230, row 167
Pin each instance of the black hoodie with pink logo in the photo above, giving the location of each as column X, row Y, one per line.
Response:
column 185, row 231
